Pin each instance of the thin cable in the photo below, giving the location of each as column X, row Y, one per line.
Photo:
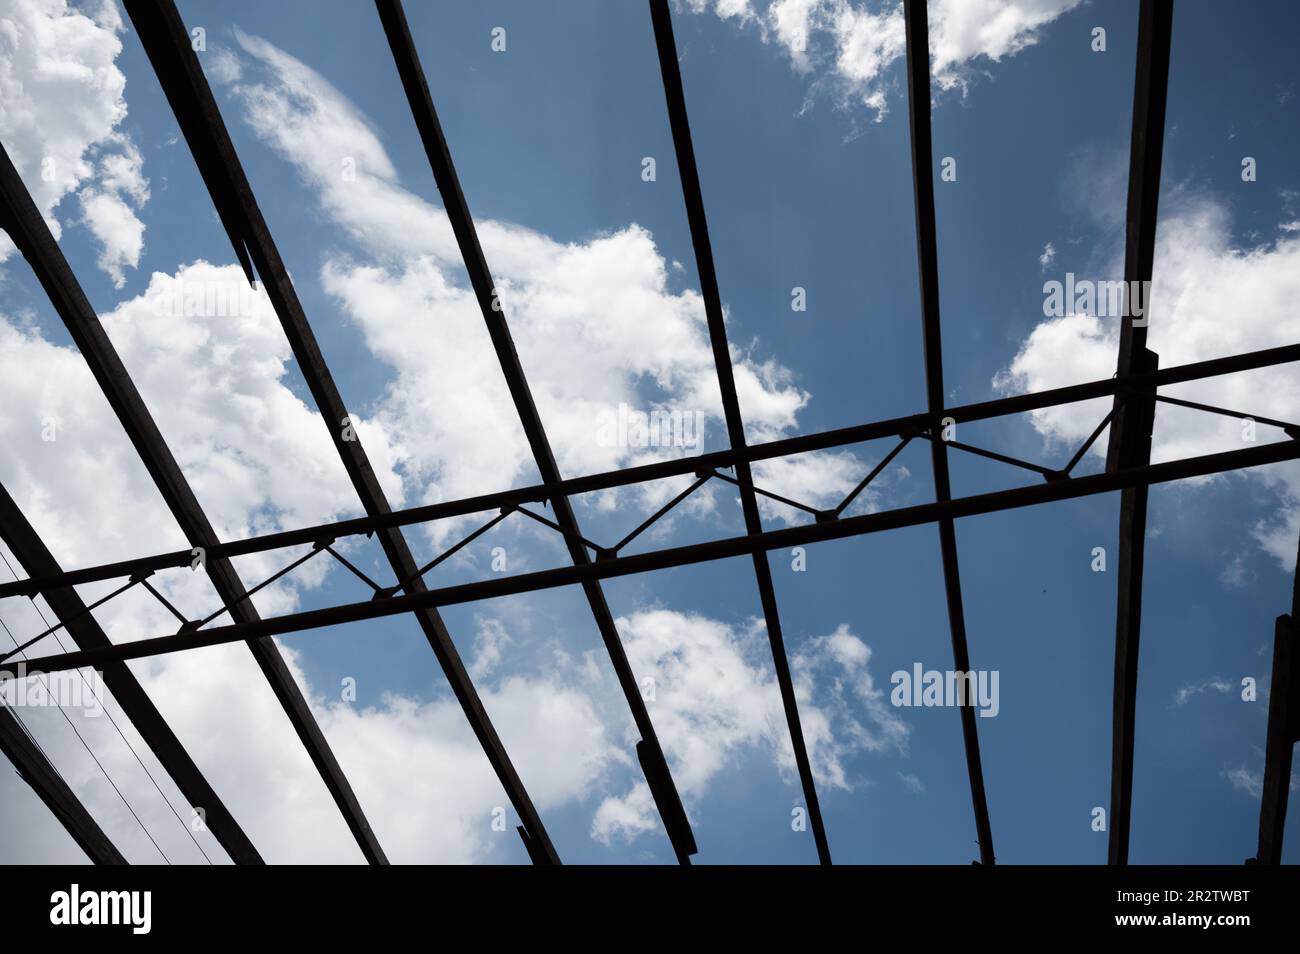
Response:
column 109, row 713
column 86, row 745
column 91, row 751
column 33, row 740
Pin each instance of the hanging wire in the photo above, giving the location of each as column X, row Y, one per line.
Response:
column 86, row 745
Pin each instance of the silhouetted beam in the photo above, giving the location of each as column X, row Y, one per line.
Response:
column 168, row 45
column 684, row 556
column 31, row 552
column 1130, row 435
column 416, row 87
column 693, row 194
column 32, row 237
column 537, row 493
column 47, row 783
column 1283, row 733
column 918, row 101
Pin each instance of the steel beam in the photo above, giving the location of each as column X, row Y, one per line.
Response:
column 35, row 769
column 1282, row 734
column 843, row 528
column 36, row 559
column 168, row 46
column 692, row 193
column 1130, row 435
column 416, row 87
column 804, row 443
column 918, row 101
column 25, row 225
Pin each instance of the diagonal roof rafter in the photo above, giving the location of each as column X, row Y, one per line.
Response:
column 649, row 752
column 692, row 193
column 167, row 44
column 918, row 101
column 31, row 235
column 1128, row 470
column 68, row 607
column 38, row 772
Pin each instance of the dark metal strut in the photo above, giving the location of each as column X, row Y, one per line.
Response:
column 1134, row 412
column 167, row 43
column 918, row 100
column 27, row 228
column 658, row 777
column 693, row 195
column 36, row 559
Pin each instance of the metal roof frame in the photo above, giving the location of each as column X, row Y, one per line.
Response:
column 1134, row 390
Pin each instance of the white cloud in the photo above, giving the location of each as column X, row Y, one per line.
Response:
column 61, row 103
column 962, row 32
column 556, row 740
column 595, row 322
column 259, row 460
column 1251, row 782
column 416, row 767
column 491, row 639
column 912, row 783
column 108, row 208
column 123, row 172
column 118, row 230
column 223, row 65
column 1048, row 257
column 714, row 696
column 211, row 363
column 1183, row 695
column 1210, row 297
column 849, row 46
column 1234, row 573
column 1244, row 780
column 821, row 480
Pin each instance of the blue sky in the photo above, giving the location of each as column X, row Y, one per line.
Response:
column 805, row 167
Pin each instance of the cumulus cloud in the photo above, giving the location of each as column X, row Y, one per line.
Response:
column 108, row 209
column 1211, row 296
column 61, row 106
column 597, row 323
column 550, row 726
column 713, row 695
column 416, row 767
column 209, row 360
column 212, row 364
column 849, row 47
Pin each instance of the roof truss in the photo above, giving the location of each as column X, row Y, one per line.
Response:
column 1134, row 391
